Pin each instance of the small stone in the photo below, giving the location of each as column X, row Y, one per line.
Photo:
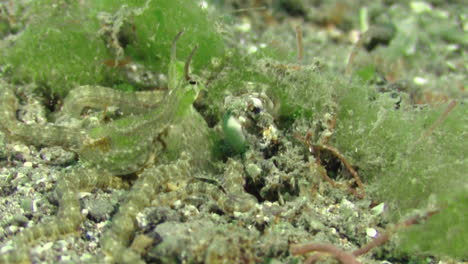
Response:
column 315, row 225
column 20, row 220
column 65, row 259
column 420, row 80
column 98, row 209
column 28, row 205
column 40, row 249
column 6, row 248
column 57, row 156
column 153, row 216
column 379, row 209
column 190, row 211
column 141, row 243
column 253, row 170
column 85, row 258
column 21, row 153
column 3, row 151
column 371, row 232
column 347, row 204
column 10, row 230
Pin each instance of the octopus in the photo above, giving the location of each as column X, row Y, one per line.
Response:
column 163, row 148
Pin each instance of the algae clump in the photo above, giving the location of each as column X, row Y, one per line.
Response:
column 57, row 51
column 67, row 44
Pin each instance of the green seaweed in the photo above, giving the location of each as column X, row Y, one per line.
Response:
column 57, row 51
column 63, row 47
column 157, row 23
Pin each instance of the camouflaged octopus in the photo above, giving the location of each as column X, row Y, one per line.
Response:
column 164, row 147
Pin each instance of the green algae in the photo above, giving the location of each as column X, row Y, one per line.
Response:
column 57, row 52
column 63, row 45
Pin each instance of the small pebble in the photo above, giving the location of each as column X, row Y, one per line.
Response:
column 253, row 170
column 20, row 220
column 371, row 232
column 28, row 205
column 3, row 151
column 98, row 209
column 10, row 230
column 57, row 156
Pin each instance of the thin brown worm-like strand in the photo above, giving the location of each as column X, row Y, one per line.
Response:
column 343, row 257
column 347, row 165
